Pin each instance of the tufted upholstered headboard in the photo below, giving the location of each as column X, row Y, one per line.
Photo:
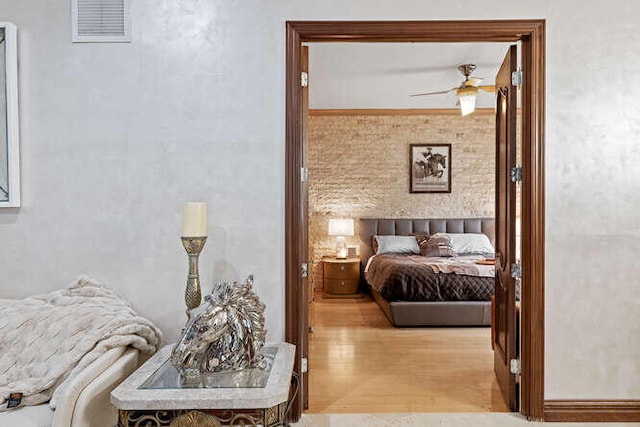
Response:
column 407, row 226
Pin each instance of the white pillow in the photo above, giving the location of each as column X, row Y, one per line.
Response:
column 397, row 245
column 471, row 243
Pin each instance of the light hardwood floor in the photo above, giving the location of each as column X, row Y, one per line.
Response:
column 477, row 419
column 359, row 363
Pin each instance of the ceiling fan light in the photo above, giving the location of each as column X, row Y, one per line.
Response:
column 467, row 104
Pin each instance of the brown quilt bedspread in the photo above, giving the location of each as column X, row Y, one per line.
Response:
column 404, row 278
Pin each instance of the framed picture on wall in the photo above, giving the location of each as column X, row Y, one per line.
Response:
column 430, row 168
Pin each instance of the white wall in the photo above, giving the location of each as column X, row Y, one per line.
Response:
column 115, row 137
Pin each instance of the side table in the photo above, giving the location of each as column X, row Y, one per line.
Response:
column 153, row 396
column 341, row 277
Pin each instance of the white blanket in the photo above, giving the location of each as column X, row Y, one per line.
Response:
column 46, row 340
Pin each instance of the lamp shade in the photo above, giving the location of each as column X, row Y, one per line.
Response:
column 341, row 227
column 467, row 104
column 467, row 99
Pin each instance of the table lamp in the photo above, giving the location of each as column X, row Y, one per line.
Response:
column 340, row 228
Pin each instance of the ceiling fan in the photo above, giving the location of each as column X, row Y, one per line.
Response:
column 467, row 90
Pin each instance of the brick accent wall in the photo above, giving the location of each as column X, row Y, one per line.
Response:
column 359, row 167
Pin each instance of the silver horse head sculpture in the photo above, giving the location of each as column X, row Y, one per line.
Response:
column 224, row 334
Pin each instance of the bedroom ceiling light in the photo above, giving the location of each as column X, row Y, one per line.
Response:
column 340, row 228
column 467, row 99
column 467, row 91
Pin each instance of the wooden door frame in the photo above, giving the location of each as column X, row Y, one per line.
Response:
column 531, row 34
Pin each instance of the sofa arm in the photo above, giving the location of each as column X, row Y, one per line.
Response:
column 94, row 407
column 86, row 400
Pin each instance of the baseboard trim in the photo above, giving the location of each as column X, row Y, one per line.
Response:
column 592, row 410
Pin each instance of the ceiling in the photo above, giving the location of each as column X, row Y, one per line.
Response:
column 382, row 75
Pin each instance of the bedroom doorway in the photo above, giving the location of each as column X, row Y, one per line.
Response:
column 531, row 36
column 362, row 126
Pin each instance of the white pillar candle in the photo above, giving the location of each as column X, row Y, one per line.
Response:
column 194, row 219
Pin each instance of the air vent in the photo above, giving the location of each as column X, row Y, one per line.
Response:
column 100, row 21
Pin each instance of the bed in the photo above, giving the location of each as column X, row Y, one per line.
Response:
column 448, row 299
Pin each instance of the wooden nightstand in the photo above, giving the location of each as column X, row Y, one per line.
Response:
column 341, row 276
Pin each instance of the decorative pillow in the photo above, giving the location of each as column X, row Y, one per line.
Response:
column 374, row 243
column 396, row 245
column 422, row 238
column 439, row 244
column 471, row 243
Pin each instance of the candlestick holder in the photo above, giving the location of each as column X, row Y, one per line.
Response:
column 192, row 294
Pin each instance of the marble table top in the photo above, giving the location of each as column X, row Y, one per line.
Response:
column 130, row 396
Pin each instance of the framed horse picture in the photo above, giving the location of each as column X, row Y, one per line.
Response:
column 430, row 168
